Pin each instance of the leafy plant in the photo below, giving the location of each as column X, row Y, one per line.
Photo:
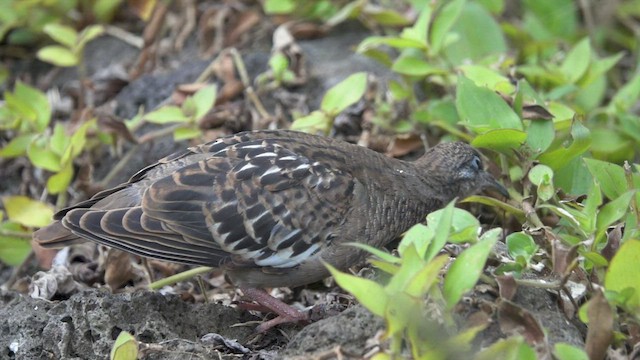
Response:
column 185, row 119
column 336, row 100
column 69, row 51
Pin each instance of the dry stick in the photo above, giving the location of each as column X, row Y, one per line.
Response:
column 150, row 35
column 118, row 167
column 244, row 77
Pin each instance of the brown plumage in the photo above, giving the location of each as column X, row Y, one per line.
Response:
column 270, row 206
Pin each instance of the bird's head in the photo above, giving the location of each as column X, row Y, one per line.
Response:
column 458, row 171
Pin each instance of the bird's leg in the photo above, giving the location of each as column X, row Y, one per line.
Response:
column 286, row 313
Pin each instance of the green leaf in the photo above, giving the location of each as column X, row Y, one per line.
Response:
column 59, row 140
column 369, row 293
column 483, row 109
column 420, row 30
column 17, row 146
column 77, row 142
column 626, row 97
column 124, row 348
column 59, row 182
column 559, row 158
column 501, row 140
column 471, row 44
column 443, row 22
column 27, row 212
column 577, row 61
column 540, row 135
column 563, row 351
column 278, row 64
column 518, row 213
column 13, row 249
column 186, row 133
column 464, row 226
column 442, row 229
column 401, row 308
column 344, row 94
column 419, row 236
column 279, row 6
column 62, row 34
column 422, row 280
column 204, row 100
column 385, row 256
column 620, row 277
column 487, row 77
column 521, row 244
column 373, row 42
column 38, row 102
column 58, row 55
column 411, row 263
column 613, row 211
column 610, row 176
column 89, row 33
column 512, row 348
column 413, row 65
column 542, row 176
column 465, row 271
column 166, row 115
column 316, row 122
column 42, row 157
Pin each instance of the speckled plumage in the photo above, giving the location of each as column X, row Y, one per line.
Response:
column 270, row 206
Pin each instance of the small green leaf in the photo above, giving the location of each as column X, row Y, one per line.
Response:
column 442, row 229
column 89, row 33
column 518, row 213
column 483, row 109
column 425, row 278
column 563, row 351
column 559, row 158
column 369, row 293
column 186, row 133
column 521, row 244
column 27, row 212
column 626, row 97
column 502, row 140
column 610, row 176
column 166, row 115
column 42, row 157
column 38, row 102
column 274, row 7
column 344, row 94
column 464, row 226
column 13, row 249
column 465, row 271
column 613, row 211
column 620, row 276
column 577, row 61
column 443, row 22
column 62, row 34
column 385, row 256
column 487, row 77
column 542, row 176
column 125, row 347
column 204, row 100
column 414, row 65
column 540, row 135
column 512, row 348
column 316, row 122
column 57, row 55
column 278, row 64
column 373, row 42
column 399, row 312
column 420, row 29
column 60, row 182
column 59, row 140
column 419, row 236
column 17, row 146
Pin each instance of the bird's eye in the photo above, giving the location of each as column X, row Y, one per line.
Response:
column 476, row 163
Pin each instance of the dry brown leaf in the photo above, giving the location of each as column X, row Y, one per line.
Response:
column 600, row 330
column 514, row 319
column 507, row 285
column 563, row 257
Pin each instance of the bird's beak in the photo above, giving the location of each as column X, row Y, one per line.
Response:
column 489, row 182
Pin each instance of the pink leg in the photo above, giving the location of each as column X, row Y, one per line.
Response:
column 286, row 313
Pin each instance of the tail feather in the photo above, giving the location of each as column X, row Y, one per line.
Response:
column 55, row 236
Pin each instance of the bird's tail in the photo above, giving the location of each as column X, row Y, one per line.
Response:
column 55, row 236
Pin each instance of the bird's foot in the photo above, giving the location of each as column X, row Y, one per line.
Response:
column 286, row 313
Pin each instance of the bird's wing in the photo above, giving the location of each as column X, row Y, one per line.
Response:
column 250, row 203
